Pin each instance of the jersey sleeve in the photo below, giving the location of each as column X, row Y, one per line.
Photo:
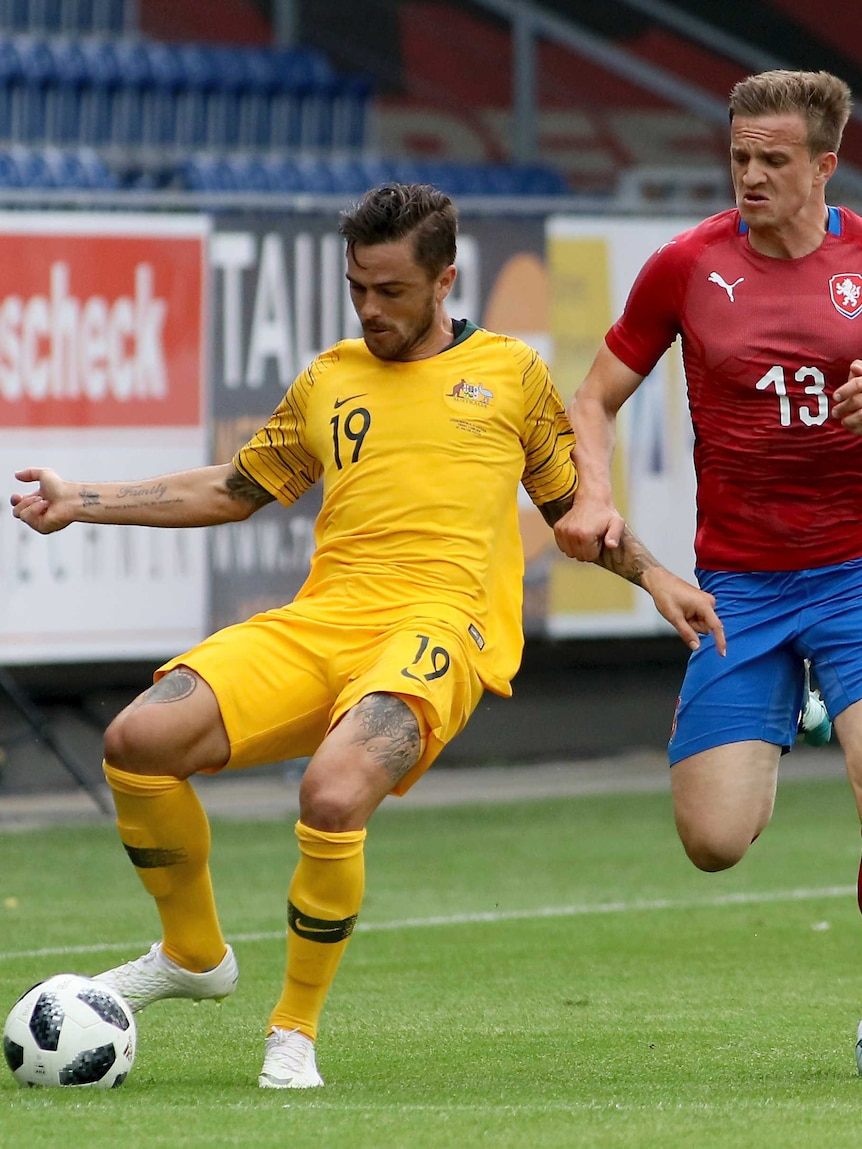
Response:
column 650, row 321
column 277, row 456
column 549, row 472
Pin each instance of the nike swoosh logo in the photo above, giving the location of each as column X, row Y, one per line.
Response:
column 309, row 928
column 340, row 402
column 318, row 929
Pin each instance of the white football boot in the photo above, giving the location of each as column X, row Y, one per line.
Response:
column 289, row 1061
column 154, row 976
column 815, row 725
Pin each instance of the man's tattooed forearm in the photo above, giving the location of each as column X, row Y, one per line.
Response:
column 130, row 497
column 630, row 560
column 390, row 733
column 239, row 487
column 556, row 509
column 156, row 491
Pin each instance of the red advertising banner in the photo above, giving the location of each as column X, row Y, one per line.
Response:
column 103, row 338
column 100, row 330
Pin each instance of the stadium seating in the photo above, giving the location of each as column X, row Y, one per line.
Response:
column 129, row 92
column 84, row 105
column 208, row 119
column 55, row 169
column 66, row 17
column 214, row 173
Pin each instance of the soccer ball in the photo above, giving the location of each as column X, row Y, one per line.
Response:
column 70, row 1030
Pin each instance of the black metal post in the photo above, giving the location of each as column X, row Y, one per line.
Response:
column 40, row 726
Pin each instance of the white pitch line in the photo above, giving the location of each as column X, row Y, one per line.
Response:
column 751, row 898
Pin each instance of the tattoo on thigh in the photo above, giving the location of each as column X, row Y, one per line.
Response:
column 390, row 733
column 176, row 684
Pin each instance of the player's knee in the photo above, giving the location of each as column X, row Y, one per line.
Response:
column 328, row 810
column 130, row 743
column 331, row 804
column 713, row 854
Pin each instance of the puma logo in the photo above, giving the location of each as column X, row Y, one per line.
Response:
column 714, row 277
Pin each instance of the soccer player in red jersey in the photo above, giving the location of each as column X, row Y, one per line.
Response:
column 766, row 299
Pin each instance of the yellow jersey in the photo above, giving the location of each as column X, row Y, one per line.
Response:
column 421, row 463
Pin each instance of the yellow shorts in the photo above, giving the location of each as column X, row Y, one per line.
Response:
column 284, row 679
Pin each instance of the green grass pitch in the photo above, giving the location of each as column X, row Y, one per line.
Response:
column 535, row 975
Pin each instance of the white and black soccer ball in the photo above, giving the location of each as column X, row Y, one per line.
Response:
column 70, row 1030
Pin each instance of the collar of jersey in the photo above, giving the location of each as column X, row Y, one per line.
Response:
column 466, row 331
column 833, row 222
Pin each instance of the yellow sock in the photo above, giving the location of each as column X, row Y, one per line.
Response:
column 165, row 831
column 323, row 903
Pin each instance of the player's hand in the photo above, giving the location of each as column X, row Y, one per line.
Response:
column 847, row 400
column 689, row 610
column 46, row 510
column 587, row 527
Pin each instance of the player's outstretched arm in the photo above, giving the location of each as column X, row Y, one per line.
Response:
column 689, row 610
column 197, row 498
column 594, row 522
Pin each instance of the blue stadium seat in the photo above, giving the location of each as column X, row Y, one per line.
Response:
column 80, row 17
column 252, row 175
column 129, row 92
column 86, row 164
column 11, row 76
column 34, row 169
column 350, row 99
column 374, row 172
column 209, row 174
column 193, row 175
column 164, row 120
column 316, row 176
column 318, row 103
column 17, row 15
column 312, row 175
column 349, row 176
column 109, row 17
column 303, row 100
column 99, row 92
column 232, row 80
column 293, row 85
column 260, row 84
column 257, row 175
column 67, row 169
column 71, row 74
column 10, row 173
column 195, row 80
column 30, row 97
column 283, row 176
column 408, row 171
column 48, row 168
column 47, row 16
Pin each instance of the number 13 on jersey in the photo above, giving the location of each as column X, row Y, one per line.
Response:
column 775, row 377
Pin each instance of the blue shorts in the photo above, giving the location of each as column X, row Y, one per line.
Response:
column 773, row 621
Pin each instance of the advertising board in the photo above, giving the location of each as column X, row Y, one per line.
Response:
column 102, row 376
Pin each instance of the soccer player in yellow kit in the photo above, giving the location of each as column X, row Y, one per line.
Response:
column 421, row 432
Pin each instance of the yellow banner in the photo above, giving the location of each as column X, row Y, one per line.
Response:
column 581, row 311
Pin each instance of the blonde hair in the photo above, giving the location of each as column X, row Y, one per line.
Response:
column 823, row 99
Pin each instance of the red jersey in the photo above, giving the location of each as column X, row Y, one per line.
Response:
column 765, row 343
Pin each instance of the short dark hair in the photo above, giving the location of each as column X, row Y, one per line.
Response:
column 390, row 212
column 823, row 99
